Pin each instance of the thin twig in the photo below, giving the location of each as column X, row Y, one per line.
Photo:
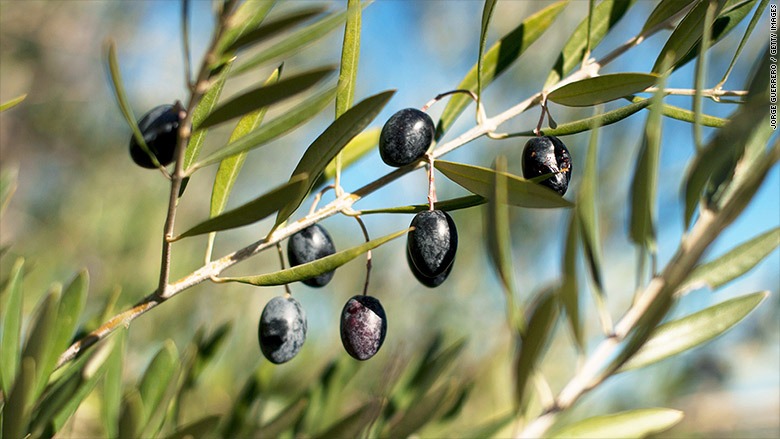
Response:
column 281, row 262
column 368, row 253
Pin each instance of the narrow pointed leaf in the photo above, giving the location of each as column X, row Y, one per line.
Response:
column 12, row 102
column 733, row 264
column 487, row 15
column 201, row 428
column 663, row 11
column 578, row 126
column 671, row 338
column 499, row 236
column 568, row 291
column 156, row 378
column 645, row 180
column 521, row 192
column 488, row 428
column 18, row 406
column 275, row 27
column 273, row 129
column 10, row 343
column 40, row 339
column 756, row 16
column 72, row 303
column 435, row 364
column 204, row 107
column 229, row 167
column 602, row 88
column 314, row 268
column 295, row 42
column 252, row 211
column 587, row 201
column 356, row 149
column 284, row 420
column 700, row 74
column 684, row 37
column 247, row 18
column 428, row 408
column 124, row 104
column 8, row 182
column 350, row 53
column 445, row 205
column 353, row 424
column 629, row 424
column 330, row 142
column 265, row 95
column 497, row 59
column 605, row 15
column 131, row 418
column 683, row 114
column 112, row 385
column 541, row 320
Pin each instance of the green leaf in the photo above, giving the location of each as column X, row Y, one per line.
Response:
column 664, row 10
column 8, row 183
column 10, row 343
column 295, row 42
column 12, row 102
column 72, row 303
column 541, row 321
column 112, row 385
column 499, row 237
column 602, row 88
column 314, row 268
column 629, row 424
column 487, row 14
column 568, row 291
column 201, row 428
column 604, row 17
column 756, row 16
column 229, row 167
column 252, row 211
column 350, row 53
column 446, row 205
column 206, row 352
column 277, row 26
column 284, row 420
column 671, row 338
column 684, row 37
column 684, row 115
column 40, row 339
column 521, row 192
column 124, row 104
column 18, row 406
column 156, row 378
column 131, row 419
column 587, row 202
column 265, row 95
column 353, row 424
column 700, row 74
column 435, row 364
column 358, row 147
column 645, row 179
column 246, row 19
column 733, row 264
column 330, row 142
column 421, row 412
column 488, row 428
column 578, row 126
column 204, row 107
column 497, row 59
column 271, row 130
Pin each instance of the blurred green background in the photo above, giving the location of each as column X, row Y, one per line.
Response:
column 81, row 202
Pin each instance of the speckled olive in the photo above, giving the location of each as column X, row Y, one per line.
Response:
column 545, row 155
column 363, row 327
column 282, row 329
column 308, row 245
column 406, row 137
column 432, row 244
column 430, row 282
column 160, row 128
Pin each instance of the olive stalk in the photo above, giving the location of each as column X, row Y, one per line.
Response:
column 342, row 204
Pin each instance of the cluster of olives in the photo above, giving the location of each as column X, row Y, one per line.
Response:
column 430, row 247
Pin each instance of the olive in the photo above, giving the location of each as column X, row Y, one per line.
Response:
column 363, row 327
column 282, row 329
column 160, row 128
column 308, row 245
column 548, row 155
column 406, row 137
column 432, row 244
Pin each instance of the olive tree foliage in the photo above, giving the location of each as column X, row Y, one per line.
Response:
column 50, row 369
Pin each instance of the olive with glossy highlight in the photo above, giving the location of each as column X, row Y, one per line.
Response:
column 548, row 155
column 406, row 137
column 160, row 128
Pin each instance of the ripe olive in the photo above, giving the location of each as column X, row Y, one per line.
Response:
column 545, row 155
column 308, row 245
column 160, row 128
column 282, row 329
column 406, row 137
column 430, row 282
column 363, row 327
column 431, row 246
